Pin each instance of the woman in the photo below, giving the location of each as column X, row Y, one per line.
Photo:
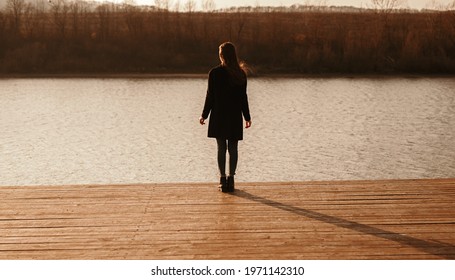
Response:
column 226, row 102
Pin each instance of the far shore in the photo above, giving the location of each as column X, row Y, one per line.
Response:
column 204, row 75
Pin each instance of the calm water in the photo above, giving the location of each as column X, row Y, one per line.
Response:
column 79, row 131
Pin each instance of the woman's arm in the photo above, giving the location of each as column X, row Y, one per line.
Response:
column 208, row 105
column 245, row 107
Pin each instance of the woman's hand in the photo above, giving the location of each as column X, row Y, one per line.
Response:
column 248, row 124
column 201, row 120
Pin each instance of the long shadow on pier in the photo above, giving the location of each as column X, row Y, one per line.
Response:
column 440, row 249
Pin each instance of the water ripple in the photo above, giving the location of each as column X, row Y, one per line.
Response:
column 80, row 131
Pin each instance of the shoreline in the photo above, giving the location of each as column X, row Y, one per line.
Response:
column 205, row 75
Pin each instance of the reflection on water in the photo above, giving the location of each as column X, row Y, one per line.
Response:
column 79, row 131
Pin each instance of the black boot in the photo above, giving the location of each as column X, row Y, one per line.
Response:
column 223, row 184
column 230, row 184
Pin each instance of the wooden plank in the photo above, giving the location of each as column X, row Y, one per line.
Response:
column 385, row 219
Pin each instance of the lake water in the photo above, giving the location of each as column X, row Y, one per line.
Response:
column 115, row 131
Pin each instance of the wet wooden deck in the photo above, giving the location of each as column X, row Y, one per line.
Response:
column 397, row 219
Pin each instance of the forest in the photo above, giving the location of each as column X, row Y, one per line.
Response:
column 77, row 37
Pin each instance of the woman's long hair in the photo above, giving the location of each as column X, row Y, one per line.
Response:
column 229, row 60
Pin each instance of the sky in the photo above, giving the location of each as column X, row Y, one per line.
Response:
column 415, row 4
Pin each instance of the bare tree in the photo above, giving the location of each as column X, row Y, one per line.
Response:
column 16, row 8
column 134, row 20
column 388, row 5
column 190, row 6
column 34, row 18
column 161, row 18
column 435, row 4
column 240, row 24
column 177, row 6
column 163, row 4
column 2, row 18
column 2, row 24
column 105, row 18
column 318, row 3
column 208, row 5
column 41, row 5
column 75, row 11
column 29, row 18
column 60, row 9
column 128, row 2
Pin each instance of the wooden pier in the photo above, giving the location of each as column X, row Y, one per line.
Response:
column 391, row 219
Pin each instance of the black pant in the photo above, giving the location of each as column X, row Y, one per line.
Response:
column 232, row 147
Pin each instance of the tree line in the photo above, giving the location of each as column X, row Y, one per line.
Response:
column 74, row 37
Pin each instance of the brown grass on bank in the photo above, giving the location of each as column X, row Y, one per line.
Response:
column 121, row 39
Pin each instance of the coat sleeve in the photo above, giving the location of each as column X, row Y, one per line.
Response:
column 245, row 106
column 209, row 98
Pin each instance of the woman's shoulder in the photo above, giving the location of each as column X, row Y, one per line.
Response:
column 217, row 70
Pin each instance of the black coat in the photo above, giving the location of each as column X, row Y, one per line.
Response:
column 226, row 102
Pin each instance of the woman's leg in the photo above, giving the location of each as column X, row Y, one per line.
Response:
column 221, row 143
column 233, row 156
